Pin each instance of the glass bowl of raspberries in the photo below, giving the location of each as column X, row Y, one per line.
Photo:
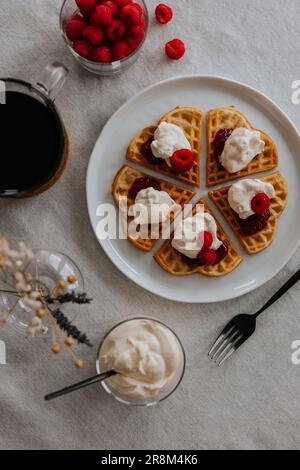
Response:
column 104, row 36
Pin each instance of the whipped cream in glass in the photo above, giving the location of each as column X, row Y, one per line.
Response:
column 240, row 149
column 168, row 138
column 186, row 234
column 148, row 358
column 241, row 194
column 151, row 207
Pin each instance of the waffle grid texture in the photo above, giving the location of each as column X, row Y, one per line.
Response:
column 261, row 240
column 177, row 264
column 190, row 121
column 120, row 188
column 231, row 118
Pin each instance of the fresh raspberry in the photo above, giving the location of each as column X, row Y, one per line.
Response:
column 254, row 224
column 135, row 35
column 85, row 6
column 113, row 6
column 100, row 54
column 74, row 29
column 142, row 24
column 122, row 3
column 204, row 240
column 102, row 16
column 130, row 14
column 78, row 16
column 221, row 136
column 175, row 49
column 139, row 8
column 119, row 50
column 143, row 183
column 221, row 253
column 163, row 13
column 131, row 48
column 94, row 35
column 207, row 257
column 82, row 48
column 182, row 160
column 115, row 31
column 260, row 203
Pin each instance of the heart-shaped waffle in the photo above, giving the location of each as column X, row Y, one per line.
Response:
column 175, row 263
column 120, row 188
column 231, row 118
column 190, row 121
column 261, row 240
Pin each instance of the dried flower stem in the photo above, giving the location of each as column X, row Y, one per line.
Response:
column 18, row 266
column 10, row 292
column 59, row 332
column 54, row 326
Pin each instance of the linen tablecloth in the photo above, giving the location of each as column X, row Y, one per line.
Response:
column 252, row 402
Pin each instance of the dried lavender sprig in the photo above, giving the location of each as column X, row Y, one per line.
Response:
column 71, row 330
column 70, row 297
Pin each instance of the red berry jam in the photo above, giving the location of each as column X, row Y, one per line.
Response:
column 219, row 142
column 254, row 224
column 147, row 152
column 143, row 183
column 221, row 253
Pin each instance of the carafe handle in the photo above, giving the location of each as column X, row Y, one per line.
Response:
column 52, row 79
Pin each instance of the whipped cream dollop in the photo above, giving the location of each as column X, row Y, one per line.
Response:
column 147, row 356
column 240, row 149
column 168, row 138
column 186, row 234
column 151, row 207
column 241, row 194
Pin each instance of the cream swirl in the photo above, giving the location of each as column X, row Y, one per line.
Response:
column 151, row 206
column 168, row 138
column 240, row 149
column 146, row 356
column 186, row 234
column 241, row 194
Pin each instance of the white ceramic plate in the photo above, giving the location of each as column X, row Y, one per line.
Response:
column 204, row 92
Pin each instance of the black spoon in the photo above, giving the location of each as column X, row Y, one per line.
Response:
column 79, row 385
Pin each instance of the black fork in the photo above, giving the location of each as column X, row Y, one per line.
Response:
column 242, row 326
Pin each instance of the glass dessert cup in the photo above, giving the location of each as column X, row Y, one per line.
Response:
column 166, row 390
column 69, row 9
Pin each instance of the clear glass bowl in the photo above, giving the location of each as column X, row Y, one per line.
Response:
column 168, row 390
column 46, row 270
column 68, row 9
